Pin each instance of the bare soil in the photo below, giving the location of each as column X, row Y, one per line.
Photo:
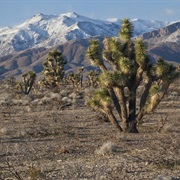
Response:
column 70, row 141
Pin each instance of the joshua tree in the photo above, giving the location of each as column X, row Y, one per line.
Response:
column 81, row 70
column 27, row 82
column 128, row 67
column 76, row 79
column 53, row 69
column 12, row 81
column 92, row 77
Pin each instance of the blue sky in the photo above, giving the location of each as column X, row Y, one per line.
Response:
column 14, row 12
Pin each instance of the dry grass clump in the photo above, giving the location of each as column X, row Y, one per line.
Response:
column 3, row 130
column 106, row 148
column 164, row 177
column 165, row 125
column 73, row 95
column 38, row 97
column 63, row 150
column 21, row 102
column 64, row 92
column 55, row 96
column 34, row 173
column 66, row 100
column 44, row 100
column 47, row 98
column 61, row 97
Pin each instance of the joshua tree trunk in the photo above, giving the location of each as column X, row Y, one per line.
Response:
column 121, row 96
column 113, row 120
column 132, row 125
column 81, row 76
column 115, row 100
column 112, row 93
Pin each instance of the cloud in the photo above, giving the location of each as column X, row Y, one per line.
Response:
column 112, row 19
column 170, row 12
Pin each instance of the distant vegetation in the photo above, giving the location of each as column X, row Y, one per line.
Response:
column 53, row 70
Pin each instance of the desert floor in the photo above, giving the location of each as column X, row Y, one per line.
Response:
column 57, row 140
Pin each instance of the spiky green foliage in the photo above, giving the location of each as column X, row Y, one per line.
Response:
column 154, row 89
column 112, row 79
column 92, row 77
column 74, row 79
column 53, row 69
column 112, row 50
column 126, row 31
column 94, row 53
column 165, row 71
column 127, row 67
column 100, row 99
column 141, row 52
column 27, row 82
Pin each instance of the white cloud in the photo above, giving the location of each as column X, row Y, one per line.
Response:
column 112, row 19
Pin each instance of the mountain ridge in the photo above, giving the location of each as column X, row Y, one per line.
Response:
column 50, row 30
column 162, row 42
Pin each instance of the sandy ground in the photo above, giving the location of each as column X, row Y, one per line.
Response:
column 51, row 141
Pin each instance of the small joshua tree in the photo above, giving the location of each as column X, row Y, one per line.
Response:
column 92, row 77
column 76, row 79
column 81, row 70
column 130, row 67
column 12, row 81
column 53, row 69
column 27, row 82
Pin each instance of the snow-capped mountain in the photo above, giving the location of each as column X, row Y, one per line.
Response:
column 49, row 30
column 170, row 33
column 164, row 42
column 142, row 26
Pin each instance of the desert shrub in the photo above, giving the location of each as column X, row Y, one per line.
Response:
column 106, row 148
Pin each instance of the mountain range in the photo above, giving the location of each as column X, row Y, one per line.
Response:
column 25, row 47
